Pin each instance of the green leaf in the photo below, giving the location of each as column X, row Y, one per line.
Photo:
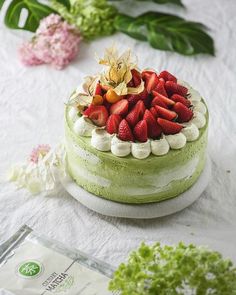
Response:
column 167, row 32
column 36, row 11
column 66, row 3
column 1, row 3
column 176, row 2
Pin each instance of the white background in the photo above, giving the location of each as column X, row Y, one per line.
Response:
column 31, row 112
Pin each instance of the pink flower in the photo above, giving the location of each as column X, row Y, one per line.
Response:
column 56, row 42
column 40, row 151
column 28, row 56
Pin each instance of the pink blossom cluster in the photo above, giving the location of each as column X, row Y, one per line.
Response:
column 55, row 42
column 40, row 151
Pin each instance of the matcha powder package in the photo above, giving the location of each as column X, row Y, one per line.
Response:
column 34, row 265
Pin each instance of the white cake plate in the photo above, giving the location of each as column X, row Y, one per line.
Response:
column 139, row 211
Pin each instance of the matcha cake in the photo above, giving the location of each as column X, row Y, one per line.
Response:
column 135, row 136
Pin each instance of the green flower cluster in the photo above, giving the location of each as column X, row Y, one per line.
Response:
column 93, row 18
column 181, row 269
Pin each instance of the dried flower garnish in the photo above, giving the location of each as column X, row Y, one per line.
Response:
column 118, row 74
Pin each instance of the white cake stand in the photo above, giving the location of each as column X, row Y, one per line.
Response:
column 139, row 211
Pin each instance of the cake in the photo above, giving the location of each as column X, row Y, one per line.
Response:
column 135, row 136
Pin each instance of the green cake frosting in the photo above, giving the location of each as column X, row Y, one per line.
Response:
column 130, row 180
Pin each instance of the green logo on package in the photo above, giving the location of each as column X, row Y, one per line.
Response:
column 30, row 269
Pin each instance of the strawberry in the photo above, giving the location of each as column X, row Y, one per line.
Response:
column 167, row 76
column 154, row 129
column 136, row 77
column 133, row 99
column 120, row 107
column 169, row 127
column 179, row 98
column 158, row 101
column 141, row 131
column 162, row 98
column 151, row 82
column 98, row 114
column 172, row 88
column 124, row 131
column 113, row 123
column 184, row 113
column 136, row 113
column 165, row 114
column 146, row 98
column 144, row 94
column 135, row 80
column 146, row 74
column 160, row 88
column 141, row 108
column 133, row 117
column 153, row 111
column 98, row 90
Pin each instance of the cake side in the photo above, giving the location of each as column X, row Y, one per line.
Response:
column 130, row 180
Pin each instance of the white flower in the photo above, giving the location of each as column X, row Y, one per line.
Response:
column 43, row 175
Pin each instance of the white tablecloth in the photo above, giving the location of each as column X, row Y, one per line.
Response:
column 31, row 112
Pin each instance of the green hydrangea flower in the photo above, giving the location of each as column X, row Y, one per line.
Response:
column 93, row 18
column 177, row 270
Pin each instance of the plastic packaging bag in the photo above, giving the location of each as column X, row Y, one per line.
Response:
column 34, row 265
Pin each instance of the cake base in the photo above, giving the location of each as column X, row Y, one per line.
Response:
column 141, row 211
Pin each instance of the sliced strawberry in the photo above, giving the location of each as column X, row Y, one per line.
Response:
column 141, row 131
column 98, row 90
column 165, row 114
column 141, row 108
column 113, row 123
column 164, row 99
column 184, row 113
column 167, row 76
column 120, row 107
column 169, row 127
column 160, row 88
column 133, row 117
column 124, row 131
column 98, row 114
column 151, row 82
column 136, row 77
column 179, row 98
column 158, row 101
column 136, row 114
column 154, row 129
column 172, row 88
column 146, row 74
column 153, row 111
column 133, row 99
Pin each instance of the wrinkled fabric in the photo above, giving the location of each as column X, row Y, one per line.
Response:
column 31, row 112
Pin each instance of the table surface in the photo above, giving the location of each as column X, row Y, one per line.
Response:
column 31, row 112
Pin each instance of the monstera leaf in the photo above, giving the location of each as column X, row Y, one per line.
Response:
column 176, row 2
column 167, row 32
column 35, row 12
